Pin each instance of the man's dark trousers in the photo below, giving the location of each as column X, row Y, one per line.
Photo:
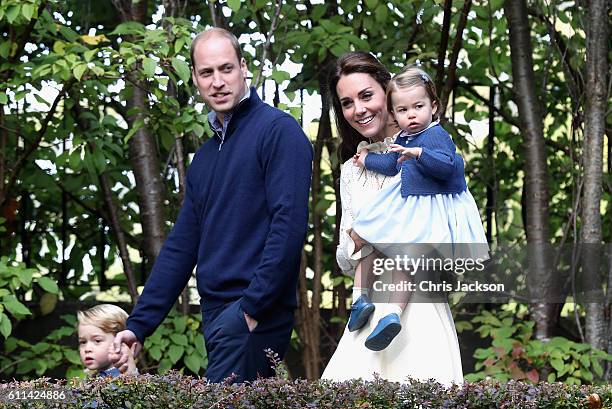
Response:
column 233, row 349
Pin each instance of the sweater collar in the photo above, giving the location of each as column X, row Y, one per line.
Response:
column 411, row 136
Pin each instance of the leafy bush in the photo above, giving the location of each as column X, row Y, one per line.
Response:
column 177, row 343
column 176, row 391
column 16, row 278
column 513, row 353
column 178, row 339
column 23, row 358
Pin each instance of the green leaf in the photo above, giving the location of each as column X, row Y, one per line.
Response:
column 131, row 27
column 69, row 34
column 12, row 13
column 371, row 4
column 14, row 306
column 89, row 54
column 193, row 362
column 3, row 98
column 280, row 76
column 179, row 44
column 59, row 47
column 381, row 13
column 5, row 48
column 175, row 352
column 597, row 368
column 72, row 356
column 179, row 339
column 78, row 71
column 155, row 352
column 198, row 129
column 164, row 366
column 180, row 323
column 5, row 325
column 557, row 364
column 27, row 11
column 182, row 69
column 149, row 65
column 234, row 5
column 48, row 285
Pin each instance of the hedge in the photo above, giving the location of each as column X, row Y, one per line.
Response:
column 177, row 391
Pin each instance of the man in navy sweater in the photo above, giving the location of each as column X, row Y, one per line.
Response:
column 242, row 224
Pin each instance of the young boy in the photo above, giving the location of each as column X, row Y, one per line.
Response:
column 97, row 328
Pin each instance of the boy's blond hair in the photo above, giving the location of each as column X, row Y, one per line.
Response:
column 408, row 77
column 108, row 317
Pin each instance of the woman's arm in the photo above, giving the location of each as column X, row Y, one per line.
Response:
column 346, row 221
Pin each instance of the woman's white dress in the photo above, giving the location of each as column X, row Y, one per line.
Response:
column 426, row 347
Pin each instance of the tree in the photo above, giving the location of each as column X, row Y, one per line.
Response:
column 536, row 175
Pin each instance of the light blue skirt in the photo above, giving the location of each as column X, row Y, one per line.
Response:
column 389, row 219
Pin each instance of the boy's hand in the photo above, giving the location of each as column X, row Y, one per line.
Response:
column 130, row 366
column 406, row 153
column 121, row 356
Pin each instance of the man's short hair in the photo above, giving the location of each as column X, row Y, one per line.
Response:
column 220, row 32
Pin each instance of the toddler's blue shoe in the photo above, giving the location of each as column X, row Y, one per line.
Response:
column 386, row 329
column 361, row 310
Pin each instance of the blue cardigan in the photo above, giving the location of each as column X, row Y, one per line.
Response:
column 243, row 220
column 439, row 169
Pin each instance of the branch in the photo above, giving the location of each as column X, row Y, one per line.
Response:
column 575, row 82
column 267, row 45
column 213, row 14
column 452, row 68
column 23, row 39
column 443, row 43
column 512, row 121
column 121, row 244
column 124, row 9
column 506, row 116
column 21, row 162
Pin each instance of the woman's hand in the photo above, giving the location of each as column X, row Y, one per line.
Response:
column 359, row 242
column 406, row 153
column 359, row 158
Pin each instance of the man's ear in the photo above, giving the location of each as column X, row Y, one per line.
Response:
column 243, row 67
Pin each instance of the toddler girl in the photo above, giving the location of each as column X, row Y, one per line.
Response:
column 430, row 203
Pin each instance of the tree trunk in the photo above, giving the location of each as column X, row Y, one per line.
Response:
column 595, row 123
column 143, row 155
column 339, row 292
column 173, row 9
column 541, row 277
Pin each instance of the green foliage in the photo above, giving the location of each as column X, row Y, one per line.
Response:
column 514, row 354
column 176, row 391
column 177, row 343
column 26, row 360
column 15, row 280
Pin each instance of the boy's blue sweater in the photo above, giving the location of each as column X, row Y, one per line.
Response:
column 243, row 220
column 439, row 169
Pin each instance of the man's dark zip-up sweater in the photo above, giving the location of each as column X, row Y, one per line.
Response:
column 243, row 220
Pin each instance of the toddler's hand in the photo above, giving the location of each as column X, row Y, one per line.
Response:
column 128, row 367
column 406, row 153
column 359, row 158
